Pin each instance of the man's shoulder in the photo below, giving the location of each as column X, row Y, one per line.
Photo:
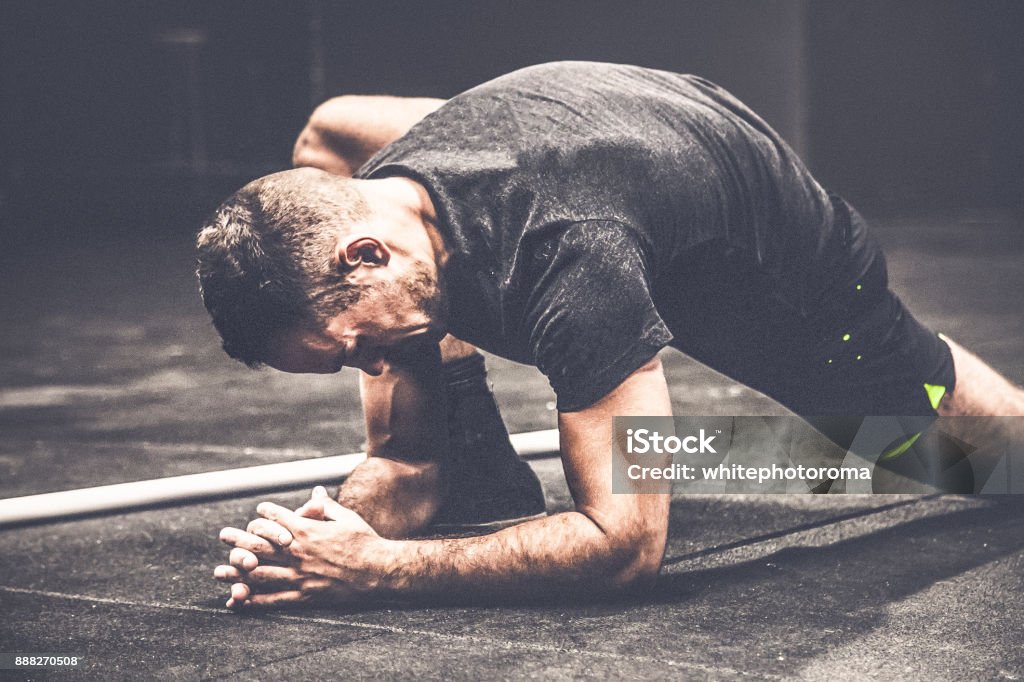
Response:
column 587, row 313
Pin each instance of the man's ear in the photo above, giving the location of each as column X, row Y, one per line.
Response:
column 351, row 252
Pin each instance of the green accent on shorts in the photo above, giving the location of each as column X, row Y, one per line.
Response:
column 900, row 449
column 935, row 394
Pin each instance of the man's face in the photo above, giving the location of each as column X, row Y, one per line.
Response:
column 365, row 334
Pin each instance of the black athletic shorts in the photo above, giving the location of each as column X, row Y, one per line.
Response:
column 859, row 351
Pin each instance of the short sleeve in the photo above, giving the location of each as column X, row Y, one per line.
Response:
column 592, row 321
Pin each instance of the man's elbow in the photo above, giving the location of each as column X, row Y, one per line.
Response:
column 306, row 152
column 635, row 559
column 311, row 152
column 640, row 572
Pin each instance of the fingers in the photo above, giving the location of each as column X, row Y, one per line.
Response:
column 328, row 508
column 239, row 593
column 247, row 541
column 269, row 530
column 244, row 559
column 321, row 507
column 259, row 576
column 228, row 574
column 244, row 584
column 254, row 578
column 318, row 589
column 276, row 599
column 280, row 515
column 333, row 511
column 313, row 508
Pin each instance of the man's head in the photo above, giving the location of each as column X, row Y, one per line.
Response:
column 299, row 271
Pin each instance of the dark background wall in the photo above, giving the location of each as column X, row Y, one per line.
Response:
column 918, row 104
column 121, row 116
column 444, row 46
column 124, row 116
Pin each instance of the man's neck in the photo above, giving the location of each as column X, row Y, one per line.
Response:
column 405, row 206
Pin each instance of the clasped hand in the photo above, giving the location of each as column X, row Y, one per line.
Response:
column 320, row 552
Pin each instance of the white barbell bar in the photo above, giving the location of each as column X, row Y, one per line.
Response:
column 213, row 484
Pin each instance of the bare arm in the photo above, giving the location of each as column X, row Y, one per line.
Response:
column 608, row 543
column 344, row 132
column 399, row 488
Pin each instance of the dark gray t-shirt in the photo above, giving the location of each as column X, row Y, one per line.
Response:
column 572, row 193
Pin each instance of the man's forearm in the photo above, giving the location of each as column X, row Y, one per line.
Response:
column 610, row 542
column 613, row 541
column 399, row 488
column 563, row 553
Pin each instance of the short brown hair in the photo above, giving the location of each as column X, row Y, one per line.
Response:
column 265, row 258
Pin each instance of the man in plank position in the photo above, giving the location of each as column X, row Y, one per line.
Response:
column 574, row 216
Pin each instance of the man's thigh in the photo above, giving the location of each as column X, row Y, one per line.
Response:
column 882, row 362
column 860, row 353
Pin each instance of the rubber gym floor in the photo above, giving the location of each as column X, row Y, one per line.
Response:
column 110, row 372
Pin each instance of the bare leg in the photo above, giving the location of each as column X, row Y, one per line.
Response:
column 980, row 390
column 975, row 428
column 961, row 449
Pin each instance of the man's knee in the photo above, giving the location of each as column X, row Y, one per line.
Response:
column 345, row 131
column 329, row 140
column 979, row 390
